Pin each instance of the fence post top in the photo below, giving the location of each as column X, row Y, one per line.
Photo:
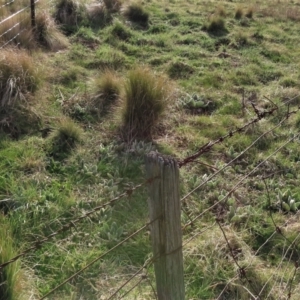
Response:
column 155, row 156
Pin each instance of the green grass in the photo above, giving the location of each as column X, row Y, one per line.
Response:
column 85, row 116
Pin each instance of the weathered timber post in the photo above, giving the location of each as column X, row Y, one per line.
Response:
column 166, row 234
column 32, row 8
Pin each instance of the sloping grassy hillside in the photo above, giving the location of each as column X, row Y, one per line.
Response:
column 71, row 140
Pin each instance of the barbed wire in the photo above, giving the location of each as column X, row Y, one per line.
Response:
column 16, row 13
column 37, row 244
column 101, row 256
column 259, row 116
column 13, row 38
column 11, row 28
column 241, row 181
column 8, row 3
column 208, row 146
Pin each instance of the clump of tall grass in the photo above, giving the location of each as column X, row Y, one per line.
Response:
column 107, row 89
column 145, row 99
column 19, row 78
column 112, row 5
column 47, row 33
column 135, row 12
column 64, row 138
column 238, row 13
column 99, row 15
column 69, row 13
column 216, row 24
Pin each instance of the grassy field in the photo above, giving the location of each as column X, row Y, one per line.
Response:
column 74, row 133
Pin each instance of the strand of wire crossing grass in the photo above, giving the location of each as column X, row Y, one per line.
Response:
column 98, row 258
column 18, row 12
column 37, row 244
column 260, row 115
column 145, row 265
column 232, row 161
column 12, row 39
column 242, row 153
column 11, row 28
column 8, row 3
column 241, row 181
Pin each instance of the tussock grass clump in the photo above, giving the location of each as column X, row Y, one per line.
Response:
column 99, row 15
column 220, row 11
column 70, row 13
column 216, row 24
column 135, row 12
column 107, row 89
column 64, row 138
column 120, row 31
column 47, row 33
column 238, row 13
column 19, row 78
column 144, row 103
column 249, row 13
column 112, row 5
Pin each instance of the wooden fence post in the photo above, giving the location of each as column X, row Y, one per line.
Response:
column 32, row 8
column 166, row 234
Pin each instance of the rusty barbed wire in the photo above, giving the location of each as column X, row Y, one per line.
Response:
column 37, row 244
column 208, row 146
column 241, row 181
column 6, row 4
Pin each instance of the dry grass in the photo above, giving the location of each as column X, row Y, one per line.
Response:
column 280, row 11
column 107, row 89
column 144, row 103
column 19, row 78
column 18, row 31
column 69, row 12
column 47, row 32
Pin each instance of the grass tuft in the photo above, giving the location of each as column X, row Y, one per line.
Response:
column 216, row 24
column 107, row 89
column 64, row 138
column 249, row 13
column 19, row 78
column 112, row 5
column 69, row 13
column 238, row 13
column 47, row 33
column 135, row 12
column 144, row 103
